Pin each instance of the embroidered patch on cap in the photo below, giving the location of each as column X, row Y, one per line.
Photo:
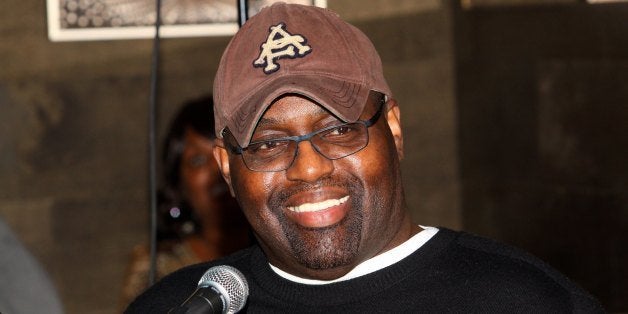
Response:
column 280, row 44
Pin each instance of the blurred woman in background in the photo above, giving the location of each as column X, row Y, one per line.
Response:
column 198, row 219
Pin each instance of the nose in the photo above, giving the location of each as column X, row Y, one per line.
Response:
column 309, row 165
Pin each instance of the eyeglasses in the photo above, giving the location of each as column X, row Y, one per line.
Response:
column 333, row 142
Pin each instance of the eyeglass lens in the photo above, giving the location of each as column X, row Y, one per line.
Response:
column 333, row 143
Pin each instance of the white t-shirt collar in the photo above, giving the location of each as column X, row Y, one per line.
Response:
column 374, row 263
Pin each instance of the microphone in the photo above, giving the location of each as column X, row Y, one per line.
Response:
column 222, row 289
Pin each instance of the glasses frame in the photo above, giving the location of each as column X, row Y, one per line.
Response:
column 237, row 149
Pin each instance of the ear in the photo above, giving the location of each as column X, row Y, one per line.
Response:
column 222, row 158
column 393, row 116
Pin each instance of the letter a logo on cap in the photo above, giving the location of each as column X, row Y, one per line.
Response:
column 280, row 44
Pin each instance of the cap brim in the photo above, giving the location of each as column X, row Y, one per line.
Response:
column 345, row 100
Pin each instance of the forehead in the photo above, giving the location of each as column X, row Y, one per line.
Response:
column 291, row 108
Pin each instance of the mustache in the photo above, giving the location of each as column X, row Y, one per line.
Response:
column 280, row 195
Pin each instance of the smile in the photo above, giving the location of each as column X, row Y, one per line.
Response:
column 314, row 207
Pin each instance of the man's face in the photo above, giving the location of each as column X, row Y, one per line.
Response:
column 320, row 218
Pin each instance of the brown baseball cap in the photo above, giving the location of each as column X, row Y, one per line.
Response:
column 290, row 48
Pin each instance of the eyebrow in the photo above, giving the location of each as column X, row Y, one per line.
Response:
column 264, row 121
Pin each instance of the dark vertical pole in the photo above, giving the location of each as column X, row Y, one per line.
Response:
column 152, row 171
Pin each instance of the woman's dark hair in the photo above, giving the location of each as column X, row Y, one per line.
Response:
column 176, row 217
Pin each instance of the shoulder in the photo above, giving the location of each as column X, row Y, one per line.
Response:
column 173, row 289
column 19, row 269
column 508, row 272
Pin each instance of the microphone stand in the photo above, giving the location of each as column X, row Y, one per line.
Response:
column 152, row 171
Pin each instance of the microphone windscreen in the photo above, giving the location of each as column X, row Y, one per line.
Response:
column 231, row 282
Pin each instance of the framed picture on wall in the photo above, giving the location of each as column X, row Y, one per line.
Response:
column 80, row 20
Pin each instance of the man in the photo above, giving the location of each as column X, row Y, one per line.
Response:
column 311, row 148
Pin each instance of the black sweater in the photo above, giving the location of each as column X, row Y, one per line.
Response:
column 454, row 272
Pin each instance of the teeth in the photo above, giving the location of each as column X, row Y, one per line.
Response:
column 312, row 207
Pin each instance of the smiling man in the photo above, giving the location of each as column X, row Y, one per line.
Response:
column 310, row 146
column 325, row 201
